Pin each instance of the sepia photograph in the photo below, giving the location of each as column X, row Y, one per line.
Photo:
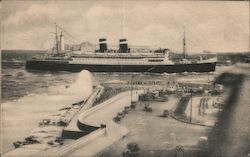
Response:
column 125, row 78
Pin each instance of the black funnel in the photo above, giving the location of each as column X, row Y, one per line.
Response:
column 103, row 47
column 123, row 46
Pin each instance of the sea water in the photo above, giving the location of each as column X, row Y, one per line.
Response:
column 29, row 97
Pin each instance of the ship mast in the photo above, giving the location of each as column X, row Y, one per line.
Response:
column 184, row 45
column 57, row 51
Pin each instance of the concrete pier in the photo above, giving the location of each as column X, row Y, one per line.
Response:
column 104, row 114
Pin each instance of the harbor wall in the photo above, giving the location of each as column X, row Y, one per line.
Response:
column 78, row 143
column 72, row 130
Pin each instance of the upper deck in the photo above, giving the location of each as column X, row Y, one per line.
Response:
column 121, row 58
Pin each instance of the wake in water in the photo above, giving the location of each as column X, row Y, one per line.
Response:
column 19, row 117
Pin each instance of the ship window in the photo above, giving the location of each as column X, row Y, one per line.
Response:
column 155, row 60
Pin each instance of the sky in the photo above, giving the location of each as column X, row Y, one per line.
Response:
column 209, row 25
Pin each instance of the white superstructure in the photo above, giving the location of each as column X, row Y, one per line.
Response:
column 122, row 58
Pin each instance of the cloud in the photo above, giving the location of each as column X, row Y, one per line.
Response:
column 103, row 21
column 38, row 15
column 153, row 23
column 31, row 28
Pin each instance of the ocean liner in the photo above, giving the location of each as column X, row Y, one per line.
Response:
column 120, row 60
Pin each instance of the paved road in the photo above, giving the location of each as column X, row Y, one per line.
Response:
column 156, row 135
column 104, row 113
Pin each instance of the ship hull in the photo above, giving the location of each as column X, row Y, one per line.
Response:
column 168, row 68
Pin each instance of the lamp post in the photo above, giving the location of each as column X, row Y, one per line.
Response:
column 131, row 87
column 131, row 90
column 191, row 105
column 214, row 92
